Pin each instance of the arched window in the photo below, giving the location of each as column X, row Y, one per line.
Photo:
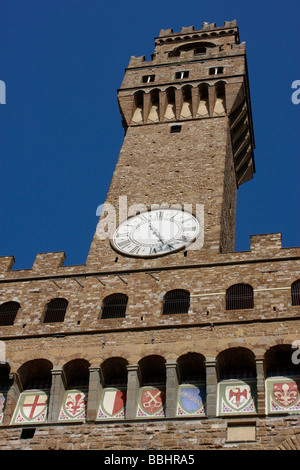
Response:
column 55, row 311
column 220, row 106
column 237, row 382
column 114, row 372
column 114, row 306
column 176, row 301
column 154, row 106
column 8, row 312
column 152, row 393
column 74, row 403
column 170, row 107
column 138, row 107
column 203, row 100
column 32, row 406
column 282, row 380
column 113, row 394
column 197, row 47
column 295, row 291
column 186, row 110
column 239, row 296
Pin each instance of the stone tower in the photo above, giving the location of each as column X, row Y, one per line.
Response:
column 188, row 138
column 166, row 338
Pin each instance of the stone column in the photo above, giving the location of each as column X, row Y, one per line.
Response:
column 96, row 384
column 146, row 106
column 12, row 398
column 57, row 391
column 172, row 383
column 162, row 104
column 211, row 387
column 195, row 100
column 178, row 102
column 133, row 386
column 260, row 378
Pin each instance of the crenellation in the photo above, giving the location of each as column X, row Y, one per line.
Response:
column 266, row 242
column 205, row 27
column 6, row 264
column 48, row 262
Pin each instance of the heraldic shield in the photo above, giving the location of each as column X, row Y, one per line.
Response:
column 191, row 400
column 74, row 406
column 283, row 395
column 112, row 404
column 236, row 397
column 31, row 408
column 151, row 402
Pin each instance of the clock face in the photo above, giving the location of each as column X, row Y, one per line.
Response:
column 156, row 233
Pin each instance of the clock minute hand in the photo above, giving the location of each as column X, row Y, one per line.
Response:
column 156, row 233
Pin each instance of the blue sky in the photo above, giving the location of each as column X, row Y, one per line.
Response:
column 60, row 130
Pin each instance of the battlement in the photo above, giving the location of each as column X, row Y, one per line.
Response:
column 266, row 242
column 44, row 264
column 169, row 45
column 263, row 246
column 205, row 27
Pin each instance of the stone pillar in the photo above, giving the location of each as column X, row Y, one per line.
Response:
column 162, row 104
column 133, row 386
column 172, row 383
column 146, row 106
column 57, row 391
column 195, row 101
column 178, row 102
column 211, row 387
column 260, row 378
column 12, row 398
column 96, row 384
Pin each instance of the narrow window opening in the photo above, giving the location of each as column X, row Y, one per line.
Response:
column 295, row 290
column 200, row 50
column 175, row 129
column 27, row 433
column 216, row 70
column 148, row 78
column 182, row 74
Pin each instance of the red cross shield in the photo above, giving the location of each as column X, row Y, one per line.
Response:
column 34, row 405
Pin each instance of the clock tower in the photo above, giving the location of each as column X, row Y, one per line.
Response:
column 188, row 146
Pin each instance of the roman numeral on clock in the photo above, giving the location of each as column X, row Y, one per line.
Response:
column 124, row 244
column 135, row 250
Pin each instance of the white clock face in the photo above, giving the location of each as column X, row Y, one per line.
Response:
column 156, row 233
